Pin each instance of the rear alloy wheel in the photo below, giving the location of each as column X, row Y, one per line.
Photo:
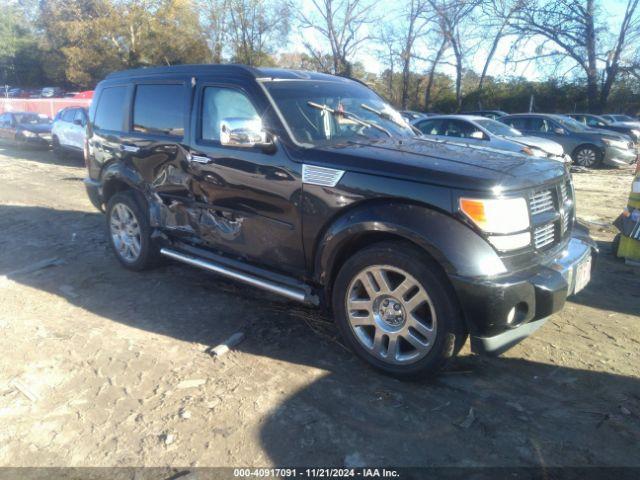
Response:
column 397, row 311
column 589, row 157
column 129, row 232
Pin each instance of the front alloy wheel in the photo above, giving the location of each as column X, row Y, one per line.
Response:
column 391, row 314
column 587, row 157
column 394, row 306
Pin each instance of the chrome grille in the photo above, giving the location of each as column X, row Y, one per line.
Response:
column 543, row 236
column 564, row 192
column 541, row 201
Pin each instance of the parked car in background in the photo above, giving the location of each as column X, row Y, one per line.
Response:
column 84, row 94
column 19, row 93
column 52, row 92
column 587, row 147
column 619, row 118
column 68, row 131
column 485, row 132
column 26, row 128
column 311, row 186
column 597, row 121
column 411, row 115
column 494, row 114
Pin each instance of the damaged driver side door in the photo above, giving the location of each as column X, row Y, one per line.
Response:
column 245, row 197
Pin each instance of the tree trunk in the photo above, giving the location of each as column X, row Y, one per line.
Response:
column 432, row 72
column 592, row 69
column 485, row 68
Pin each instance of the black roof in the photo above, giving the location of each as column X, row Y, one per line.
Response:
column 229, row 69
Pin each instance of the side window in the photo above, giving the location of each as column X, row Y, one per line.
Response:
column 431, row 127
column 111, row 109
column 159, row 109
column 460, row 129
column 519, row 123
column 594, row 122
column 80, row 115
column 68, row 115
column 539, row 125
column 219, row 103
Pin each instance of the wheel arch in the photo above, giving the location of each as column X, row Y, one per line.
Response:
column 452, row 245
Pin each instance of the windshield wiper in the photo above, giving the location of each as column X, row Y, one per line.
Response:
column 350, row 115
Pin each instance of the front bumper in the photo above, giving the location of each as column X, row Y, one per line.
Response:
column 617, row 157
column 39, row 140
column 501, row 312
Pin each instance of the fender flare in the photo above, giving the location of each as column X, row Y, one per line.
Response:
column 456, row 247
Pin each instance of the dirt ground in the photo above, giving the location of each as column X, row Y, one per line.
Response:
column 100, row 366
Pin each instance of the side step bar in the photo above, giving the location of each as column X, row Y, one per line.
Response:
column 292, row 293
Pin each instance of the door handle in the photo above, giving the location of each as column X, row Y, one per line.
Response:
column 198, row 158
column 129, row 148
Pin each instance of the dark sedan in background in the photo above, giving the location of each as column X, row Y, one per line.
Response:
column 597, row 121
column 587, row 146
column 26, row 128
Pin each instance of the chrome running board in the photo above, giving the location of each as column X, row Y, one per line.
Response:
column 297, row 294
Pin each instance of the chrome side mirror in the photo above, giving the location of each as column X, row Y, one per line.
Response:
column 242, row 132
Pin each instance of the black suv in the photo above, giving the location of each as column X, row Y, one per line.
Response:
column 310, row 186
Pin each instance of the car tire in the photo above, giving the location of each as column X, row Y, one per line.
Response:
column 405, row 321
column 58, row 151
column 20, row 142
column 129, row 232
column 587, row 156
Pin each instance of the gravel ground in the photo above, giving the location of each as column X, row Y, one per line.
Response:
column 104, row 367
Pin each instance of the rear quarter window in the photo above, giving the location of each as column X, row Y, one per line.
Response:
column 159, row 110
column 110, row 110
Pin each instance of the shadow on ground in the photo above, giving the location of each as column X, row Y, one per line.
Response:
column 508, row 411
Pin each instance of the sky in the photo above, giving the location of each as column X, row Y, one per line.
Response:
column 613, row 11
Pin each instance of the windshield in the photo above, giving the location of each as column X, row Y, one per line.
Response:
column 30, row 119
column 498, row 128
column 321, row 112
column 622, row 118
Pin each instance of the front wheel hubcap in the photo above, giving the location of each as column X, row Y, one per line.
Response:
column 586, row 157
column 391, row 314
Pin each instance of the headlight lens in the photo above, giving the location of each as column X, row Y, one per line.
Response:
column 508, row 215
column 28, row 133
column 536, row 152
column 615, row 143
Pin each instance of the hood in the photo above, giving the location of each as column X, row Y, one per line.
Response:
column 545, row 144
column 36, row 127
column 605, row 133
column 439, row 163
column 635, row 125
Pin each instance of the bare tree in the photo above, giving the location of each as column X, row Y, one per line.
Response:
column 341, row 23
column 573, row 30
column 432, row 71
column 498, row 15
column 452, row 16
column 215, row 19
column 415, row 22
column 256, row 27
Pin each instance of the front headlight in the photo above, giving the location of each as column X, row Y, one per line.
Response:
column 616, row 143
column 533, row 151
column 28, row 133
column 506, row 215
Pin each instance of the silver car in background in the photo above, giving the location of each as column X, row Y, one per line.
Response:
column 484, row 132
